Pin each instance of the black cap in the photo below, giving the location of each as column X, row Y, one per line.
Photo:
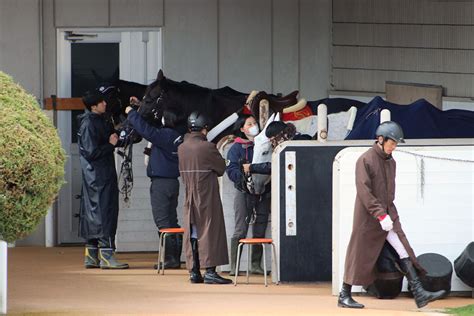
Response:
column 91, row 98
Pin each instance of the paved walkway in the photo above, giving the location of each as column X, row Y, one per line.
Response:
column 52, row 281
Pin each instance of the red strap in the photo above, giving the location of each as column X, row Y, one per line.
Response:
column 382, row 217
column 246, row 110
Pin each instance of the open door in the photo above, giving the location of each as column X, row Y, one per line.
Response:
column 84, row 55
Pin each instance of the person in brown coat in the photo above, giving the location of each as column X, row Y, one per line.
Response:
column 376, row 220
column 200, row 164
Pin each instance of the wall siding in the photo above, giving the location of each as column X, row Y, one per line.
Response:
column 430, row 42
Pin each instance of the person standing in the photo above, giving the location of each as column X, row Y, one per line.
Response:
column 200, row 164
column 241, row 152
column 163, row 172
column 376, row 220
column 99, row 195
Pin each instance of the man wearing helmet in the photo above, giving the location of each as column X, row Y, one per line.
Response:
column 376, row 220
column 200, row 164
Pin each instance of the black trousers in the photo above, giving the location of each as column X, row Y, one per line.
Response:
column 244, row 204
column 164, row 201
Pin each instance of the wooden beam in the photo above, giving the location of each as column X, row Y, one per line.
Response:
column 64, row 104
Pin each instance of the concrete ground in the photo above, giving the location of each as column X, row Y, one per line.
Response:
column 52, row 281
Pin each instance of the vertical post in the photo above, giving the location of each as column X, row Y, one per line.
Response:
column 322, row 123
column 385, row 116
column 3, row 277
column 49, row 219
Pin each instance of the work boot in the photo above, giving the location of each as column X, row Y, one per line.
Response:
column 345, row 298
column 211, row 277
column 195, row 273
column 91, row 257
column 108, row 261
column 255, row 267
column 234, row 247
column 421, row 296
column 171, row 262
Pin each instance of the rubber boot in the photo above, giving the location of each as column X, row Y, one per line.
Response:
column 195, row 273
column 345, row 298
column 211, row 277
column 234, row 247
column 255, row 267
column 421, row 296
column 108, row 261
column 91, row 257
column 170, row 253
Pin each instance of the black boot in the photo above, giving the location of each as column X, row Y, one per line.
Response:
column 211, row 277
column 171, row 262
column 255, row 267
column 345, row 298
column 421, row 296
column 91, row 257
column 195, row 273
column 234, row 245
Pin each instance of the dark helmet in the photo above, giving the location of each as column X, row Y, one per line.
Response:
column 275, row 128
column 390, row 130
column 198, row 121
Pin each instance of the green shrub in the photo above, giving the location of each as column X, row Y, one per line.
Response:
column 31, row 161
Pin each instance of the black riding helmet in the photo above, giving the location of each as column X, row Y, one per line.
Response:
column 198, row 121
column 391, row 130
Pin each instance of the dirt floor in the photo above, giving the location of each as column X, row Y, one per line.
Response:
column 52, row 281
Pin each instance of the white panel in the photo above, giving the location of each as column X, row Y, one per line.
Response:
column 436, row 217
column 3, row 277
column 290, row 193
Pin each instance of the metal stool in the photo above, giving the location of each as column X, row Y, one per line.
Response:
column 161, row 254
column 256, row 241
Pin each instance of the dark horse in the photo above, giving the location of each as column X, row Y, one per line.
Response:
column 183, row 98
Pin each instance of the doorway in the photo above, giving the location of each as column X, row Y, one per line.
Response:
column 86, row 57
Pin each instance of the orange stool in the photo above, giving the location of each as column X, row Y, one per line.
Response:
column 162, row 243
column 256, row 241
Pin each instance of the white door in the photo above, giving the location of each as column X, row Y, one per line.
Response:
column 82, row 55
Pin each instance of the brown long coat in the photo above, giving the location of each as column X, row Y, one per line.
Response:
column 375, row 183
column 200, row 164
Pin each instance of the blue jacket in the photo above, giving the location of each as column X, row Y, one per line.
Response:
column 241, row 152
column 164, row 152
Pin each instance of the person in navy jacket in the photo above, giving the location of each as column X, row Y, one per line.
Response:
column 163, row 171
column 245, row 204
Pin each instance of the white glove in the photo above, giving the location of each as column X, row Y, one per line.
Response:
column 386, row 223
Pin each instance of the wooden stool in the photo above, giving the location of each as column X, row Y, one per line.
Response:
column 161, row 254
column 256, row 241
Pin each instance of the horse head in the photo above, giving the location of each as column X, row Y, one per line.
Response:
column 183, row 98
column 262, row 152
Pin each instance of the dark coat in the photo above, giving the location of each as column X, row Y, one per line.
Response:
column 99, row 194
column 200, row 165
column 375, row 183
column 164, row 151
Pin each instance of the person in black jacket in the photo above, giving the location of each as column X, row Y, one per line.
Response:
column 99, row 196
column 245, row 204
column 164, row 172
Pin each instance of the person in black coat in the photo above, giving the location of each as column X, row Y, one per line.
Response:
column 163, row 171
column 99, row 195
